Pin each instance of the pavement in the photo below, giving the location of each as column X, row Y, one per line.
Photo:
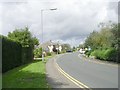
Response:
column 55, row 79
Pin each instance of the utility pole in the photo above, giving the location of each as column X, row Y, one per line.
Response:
column 42, row 28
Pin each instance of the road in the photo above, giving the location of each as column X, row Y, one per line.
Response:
column 55, row 79
column 91, row 73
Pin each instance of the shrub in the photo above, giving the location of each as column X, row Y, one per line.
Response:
column 101, row 54
column 109, row 54
column 64, row 51
column 49, row 54
column 95, row 53
column 88, row 52
column 118, row 55
column 38, row 53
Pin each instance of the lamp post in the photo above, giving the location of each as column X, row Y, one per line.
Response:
column 42, row 27
column 58, row 47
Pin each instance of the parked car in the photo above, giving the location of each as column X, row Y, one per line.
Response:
column 69, row 51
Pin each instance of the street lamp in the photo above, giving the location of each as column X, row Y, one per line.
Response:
column 53, row 9
column 58, row 47
column 42, row 27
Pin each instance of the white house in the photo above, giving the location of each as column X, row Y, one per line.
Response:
column 49, row 46
column 60, row 48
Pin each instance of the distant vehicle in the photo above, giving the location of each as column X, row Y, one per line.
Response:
column 69, row 51
column 82, row 51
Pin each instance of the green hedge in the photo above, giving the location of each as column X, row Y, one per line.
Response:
column 109, row 54
column 11, row 54
column 118, row 55
column 27, row 54
column 87, row 52
column 0, row 54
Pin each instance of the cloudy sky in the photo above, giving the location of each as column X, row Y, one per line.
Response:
column 70, row 23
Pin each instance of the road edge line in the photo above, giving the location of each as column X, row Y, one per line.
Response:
column 59, row 69
column 78, row 83
column 97, row 62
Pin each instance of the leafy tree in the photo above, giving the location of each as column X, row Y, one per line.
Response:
column 35, row 41
column 102, row 39
column 116, row 31
column 73, row 48
column 38, row 52
column 66, row 47
column 81, row 46
column 24, row 37
column 93, row 40
column 108, row 37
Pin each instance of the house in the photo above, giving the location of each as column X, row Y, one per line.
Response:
column 50, row 46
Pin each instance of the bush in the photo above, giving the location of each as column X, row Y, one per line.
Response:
column 38, row 53
column 101, row 54
column 118, row 55
column 105, row 54
column 49, row 54
column 96, row 53
column 64, row 51
column 88, row 53
column 110, row 54
column 93, row 53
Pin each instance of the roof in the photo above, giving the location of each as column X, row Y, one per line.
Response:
column 48, row 43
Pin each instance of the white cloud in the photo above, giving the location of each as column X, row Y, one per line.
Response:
column 73, row 20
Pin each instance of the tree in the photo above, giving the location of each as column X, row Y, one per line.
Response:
column 35, row 41
column 116, row 32
column 81, row 46
column 93, row 40
column 24, row 37
column 66, row 47
column 38, row 52
column 106, row 42
column 102, row 39
column 106, row 37
column 73, row 48
column 116, row 43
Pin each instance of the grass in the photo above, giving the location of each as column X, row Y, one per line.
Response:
column 47, row 57
column 32, row 75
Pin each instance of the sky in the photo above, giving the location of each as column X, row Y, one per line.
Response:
column 71, row 23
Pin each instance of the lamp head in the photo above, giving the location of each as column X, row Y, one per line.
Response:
column 53, row 9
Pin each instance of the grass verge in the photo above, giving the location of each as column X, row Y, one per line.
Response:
column 32, row 75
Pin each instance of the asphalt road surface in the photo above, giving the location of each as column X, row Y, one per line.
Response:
column 90, row 73
column 55, row 78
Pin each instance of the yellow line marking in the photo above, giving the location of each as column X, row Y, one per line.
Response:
column 78, row 83
column 100, row 62
column 70, row 78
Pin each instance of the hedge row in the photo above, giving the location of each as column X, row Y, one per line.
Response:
column 27, row 54
column 13, row 54
column 105, row 54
